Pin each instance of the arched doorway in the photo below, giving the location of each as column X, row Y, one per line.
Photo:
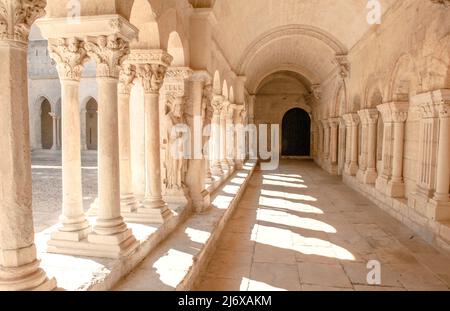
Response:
column 46, row 125
column 91, row 125
column 296, row 133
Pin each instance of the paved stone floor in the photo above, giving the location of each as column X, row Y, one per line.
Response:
column 47, row 185
column 298, row 228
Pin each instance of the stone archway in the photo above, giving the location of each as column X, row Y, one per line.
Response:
column 296, row 133
column 46, row 125
column 91, row 125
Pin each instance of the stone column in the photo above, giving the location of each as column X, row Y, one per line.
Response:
column 202, row 83
column 127, row 76
column 58, row 132
column 440, row 200
column 354, row 149
column 363, row 154
column 200, row 94
column 223, row 136
column 382, row 180
column 216, row 103
column 111, row 234
column 83, row 130
column 19, row 267
column 370, row 175
column 230, row 137
column 151, row 69
column 326, row 140
column 348, row 144
column 334, row 126
column 239, row 138
column 70, row 56
column 55, row 138
column 175, row 120
column 396, row 186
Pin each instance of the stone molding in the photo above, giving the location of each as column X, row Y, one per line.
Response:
column 88, row 26
column 70, row 57
column 433, row 104
column 16, row 18
column 155, row 57
column 394, row 111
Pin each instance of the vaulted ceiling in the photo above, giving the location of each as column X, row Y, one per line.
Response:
column 259, row 37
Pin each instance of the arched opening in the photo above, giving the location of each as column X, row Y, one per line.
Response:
column 91, row 125
column 296, row 133
column 46, row 125
column 176, row 50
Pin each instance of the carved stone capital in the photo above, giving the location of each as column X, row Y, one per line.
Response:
column 343, row 65
column 334, row 122
column 394, row 112
column 109, row 53
column 151, row 77
column 70, row 57
column 316, row 91
column 17, row 16
column 217, row 103
column 127, row 77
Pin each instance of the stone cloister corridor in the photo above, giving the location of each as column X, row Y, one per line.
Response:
column 224, row 145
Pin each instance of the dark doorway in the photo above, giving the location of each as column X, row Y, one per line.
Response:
column 296, row 136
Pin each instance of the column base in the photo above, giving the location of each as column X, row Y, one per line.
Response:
column 128, row 203
column 25, row 278
column 216, row 170
column 145, row 215
column 360, row 175
column 395, row 189
column 438, row 210
column 114, row 246
column 224, row 165
column 102, row 246
column 381, row 183
column 419, row 199
column 73, row 236
column 176, row 195
column 353, row 169
column 370, row 177
column 202, row 204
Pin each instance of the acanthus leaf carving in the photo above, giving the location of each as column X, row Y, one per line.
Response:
column 16, row 18
column 109, row 53
column 70, row 57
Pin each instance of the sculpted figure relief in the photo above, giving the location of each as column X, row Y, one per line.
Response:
column 174, row 144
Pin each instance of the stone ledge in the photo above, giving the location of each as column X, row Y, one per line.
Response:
column 76, row 273
column 177, row 263
column 434, row 232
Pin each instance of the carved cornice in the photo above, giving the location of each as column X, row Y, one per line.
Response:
column 70, row 57
column 158, row 57
column 17, row 16
column 178, row 73
column 127, row 78
column 432, row 104
column 109, row 53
